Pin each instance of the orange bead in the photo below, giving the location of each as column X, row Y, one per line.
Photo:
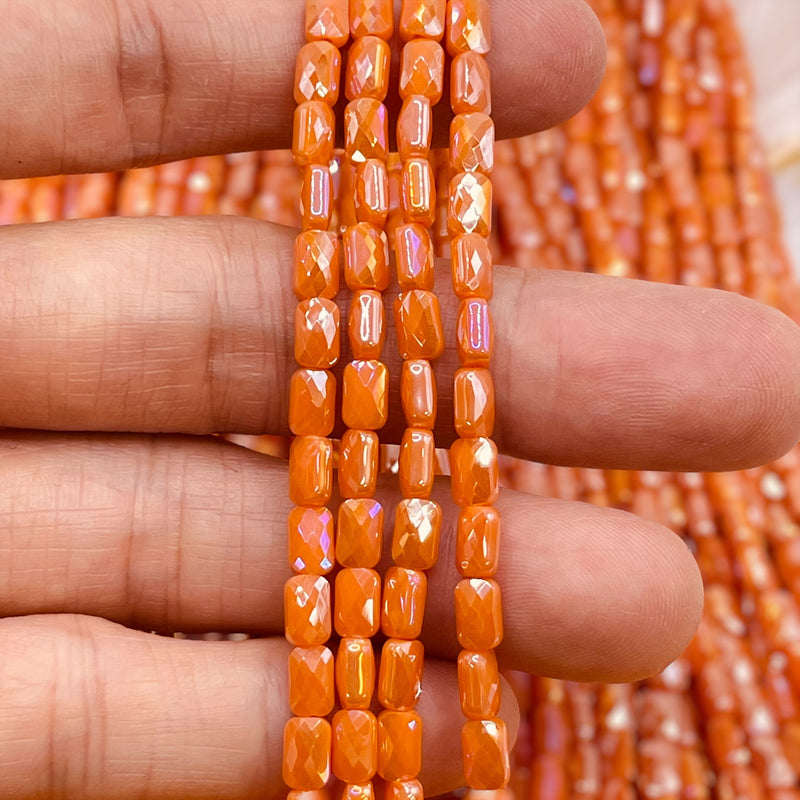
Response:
column 306, row 753
column 307, row 612
column 417, row 525
column 312, row 398
column 484, row 744
column 478, row 541
column 399, row 745
column 470, row 209
column 328, row 19
column 400, row 676
column 404, row 594
column 472, row 266
column 358, row 464
column 468, row 27
column 355, row 673
column 416, row 462
column 418, row 393
column 312, row 141
column 365, row 325
column 367, row 69
column 366, row 257
column 366, row 131
column 310, row 470
column 311, row 681
column 308, row 794
column 417, row 193
column 316, row 264
column 414, row 256
column 355, row 745
column 422, row 70
column 372, row 192
column 365, row 394
column 316, row 333
column 473, row 402
column 359, row 533
column 414, row 126
column 418, row 323
column 424, row 18
column 474, row 471
column 479, row 613
column 474, row 335
column 358, row 791
column 316, row 197
column 373, row 17
column 357, row 601
column 316, row 75
column 470, row 85
column 478, row 684
column 472, row 142
column 311, row 542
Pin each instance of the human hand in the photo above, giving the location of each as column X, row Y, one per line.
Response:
column 131, row 328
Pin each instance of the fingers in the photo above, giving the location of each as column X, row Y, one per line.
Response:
column 92, row 710
column 173, row 534
column 186, row 326
column 121, row 83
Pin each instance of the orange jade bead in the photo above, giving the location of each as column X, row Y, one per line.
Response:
column 373, row 17
column 316, row 197
column 422, row 70
column 404, row 594
column 475, row 473
column 311, row 543
column 415, row 540
column 367, row 69
column 358, row 464
column 470, row 206
column 400, row 675
column 418, row 393
column 418, row 323
column 372, row 192
column 307, row 611
column 311, row 681
column 472, row 142
column 366, row 257
column 417, row 193
column 416, row 462
column 365, row 394
column 479, row 614
column 365, row 325
column 470, row 86
column 414, row 127
column 478, row 541
column 357, row 595
column 467, row 27
column 312, row 141
column 316, row 265
column 359, row 532
column 306, row 753
column 423, row 18
column 355, row 672
column 473, row 402
column 328, row 19
column 316, row 333
column 355, row 745
column 399, row 745
column 312, row 398
column 479, row 684
column 316, row 75
column 403, row 790
column 472, row 266
column 366, row 131
column 474, row 334
column 310, row 470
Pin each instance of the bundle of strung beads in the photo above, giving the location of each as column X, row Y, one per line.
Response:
column 662, row 177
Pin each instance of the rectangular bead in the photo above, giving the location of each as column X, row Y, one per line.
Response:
column 358, row 463
column 400, row 676
column 311, row 685
column 359, row 532
column 478, row 684
column 306, row 753
column 366, row 324
column 415, row 540
column 471, row 262
column 475, row 475
column 316, row 264
column 479, row 613
column 399, row 745
column 417, row 192
column 310, row 470
column 316, row 197
column 307, row 610
column 365, row 394
column 316, row 75
column 404, row 594
column 470, row 207
column 418, row 393
column 478, row 541
column 355, row 672
column 355, row 745
column 316, row 333
column 415, row 464
column 311, row 542
column 474, row 333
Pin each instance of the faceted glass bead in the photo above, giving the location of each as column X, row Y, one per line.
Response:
column 316, row 333
column 418, row 322
column 366, row 257
column 468, row 27
column 473, row 402
column 316, row 197
column 478, row 684
column 470, row 209
column 484, row 744
column 365, row 394
column 366, row 131
column 416, row 462
column 312, row 398
column 418, row 393
column 316, row 264
column 328, row 19
column 306, row 752
column 359, row 533
column 358, row 791
column 399, row 745
column 414, row 125
column 403, row 790
column 310, row 470
column 400, row 676
column 472, row 142
column 470, row 85
column 474, row 335
column 414, row 256
column 312, row 141
column 479, row 613
column 478, row 541
column 311, row 542
column 355, row 745
column 355, row 673
column 423, row 18
column 371, row 17
column 417, row 193
column 357, row 599
column 472, row 266
column 367, row 68
column 307, row 612
column 307, row 794
column 417, row 525
column 404, row 593
column 365, row 325
column 474, row 471
column 372, row 192
column 422, row 70
column 358, row 464
column 316, row 75
column 311, row 681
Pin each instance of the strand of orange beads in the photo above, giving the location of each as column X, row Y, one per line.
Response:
column 473, row 456
column 312, row 392
column 364, row 398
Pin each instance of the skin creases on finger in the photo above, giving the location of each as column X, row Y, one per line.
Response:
column 94, row 711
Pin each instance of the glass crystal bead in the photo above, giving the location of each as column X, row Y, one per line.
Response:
column 422, row 70
column 414, row 126
column 467, row 27
column 486, row 760
column 307, row 612
column 414, row 256
column 311, row 686
column 472, row 266
column 418, row 393
column 400, row 674
column 311, row 541
column 417, row 192
column 399, row 745
column 317, row 71
column 422, row 18
column 359, row 532
column 312, row 140
column 470, row 85
column 416, row 462
column 329, row 20
column 478, row 684
column 372, row 17
column 473, row 402
column 418, row 324
column 474, row 332
column 474, row 471
column 479, row 613
column 415, row 540
column 306, row 752
column 355, row 745
column 478, row 541
column 316, row 264
column 470, row 207
column 312, row 399
column 472, row 142
column 316, row 197
column 310, row 470
column 366, row 324
column 366, row 132
column 404, row 593
column 365, row 394
column 316, row 333
column 358, row 464
column 354, row 672
column 366, row 257
column 367, row 68
column 357, row 598
column 371, row 192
